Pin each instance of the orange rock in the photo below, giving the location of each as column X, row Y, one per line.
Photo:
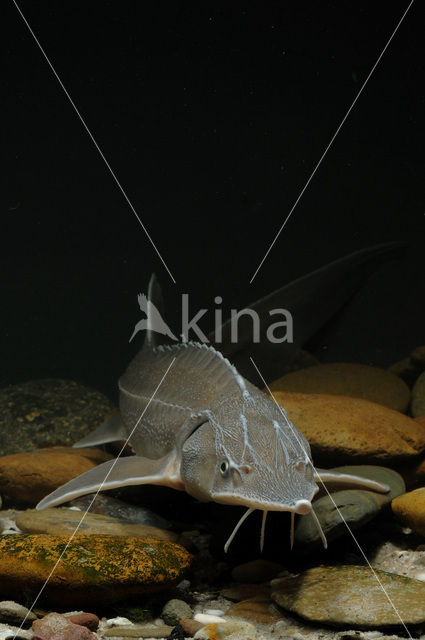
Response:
column 350, row 430
column 421, row 420
column 353, row 380
column 410, row 509
column 28, row 477
column 91, row 569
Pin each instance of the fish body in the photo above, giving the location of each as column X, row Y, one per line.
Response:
column 218, row 422
column 196, row 424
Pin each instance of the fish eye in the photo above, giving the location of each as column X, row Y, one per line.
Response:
column 224, row 467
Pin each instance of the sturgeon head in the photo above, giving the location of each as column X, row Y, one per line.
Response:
column 248, row 452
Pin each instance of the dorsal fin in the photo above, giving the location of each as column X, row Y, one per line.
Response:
column 191, row 361
column 152, row 306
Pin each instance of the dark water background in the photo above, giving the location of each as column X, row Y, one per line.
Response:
column 213, row 115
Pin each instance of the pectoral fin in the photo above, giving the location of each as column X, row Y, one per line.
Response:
column 109, row 431
column 116, row 473
column 335, row 481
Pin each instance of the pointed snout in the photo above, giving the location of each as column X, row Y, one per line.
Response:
column 302, row 507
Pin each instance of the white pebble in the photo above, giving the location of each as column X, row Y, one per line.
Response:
column 204, row 618
column 118, row 622
column 214, row 612
column 420, row 576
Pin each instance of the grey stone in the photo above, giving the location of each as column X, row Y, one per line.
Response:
column 62, row 521
column 174, row 610
column 351, row 595
column 108, row 506
column 14, row 613
column 44, row 413
column 15, row 633
column 355, row 506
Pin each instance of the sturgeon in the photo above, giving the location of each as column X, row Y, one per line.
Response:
column 197, row 425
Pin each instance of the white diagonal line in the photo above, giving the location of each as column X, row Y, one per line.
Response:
column 93, row 499
column 332, row 139
column 334, row 504
column 120, row 187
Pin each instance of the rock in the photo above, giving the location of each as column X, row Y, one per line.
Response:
column 106, row 505
column 59, row 522
column 256, row 571
column 230, row 629
column 413, row 474
column 133, row 614
column 139, row 631
column 410, row 510
column 14, row 613
column 174, row 610
column 357, row 507
column 405, row 370
column 177, row 633
column 28, row 477
column 418, row 397
column 240, row 592
column 259, row 610
column 351, row 430
column 89, row 620
column 353, row 380
column 417, row 357
column 189, row 626
column 55, row 626
column 92, row 569
column 207, row 618
column 45, row 413
column 351, row 596
column 14, row 633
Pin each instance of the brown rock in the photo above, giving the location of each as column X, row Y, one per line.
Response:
column 89, row 620
column 59, row 522
column 351, row 430
column 418, row 397
column 240, row 592
column 352, row 380
column 28, row 477
column 55, row 626
column 92, row 569
column 256, row 571
column 261, row 610
column 421, row 420
column 410, row 510
column 189, row 626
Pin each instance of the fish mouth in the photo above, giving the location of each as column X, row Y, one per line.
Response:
column 301, row 506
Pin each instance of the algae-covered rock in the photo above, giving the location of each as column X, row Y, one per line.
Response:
column 45, row 413
column 353, row 380
column 351, row 596
column 29, row 477
column 356, row 507
column 352, row 430
column 92, row 568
